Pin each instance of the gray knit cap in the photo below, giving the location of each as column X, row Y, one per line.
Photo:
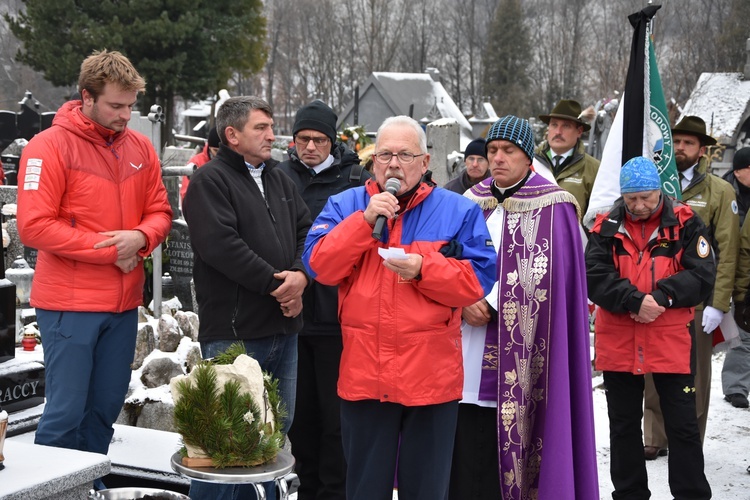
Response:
column 516, row 130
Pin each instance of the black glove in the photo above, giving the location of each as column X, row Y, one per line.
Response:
column 452, row 249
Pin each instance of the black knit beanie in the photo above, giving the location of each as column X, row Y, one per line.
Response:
column 741, row 159
column 213, row 138
column 477, row 147
column 316, row 116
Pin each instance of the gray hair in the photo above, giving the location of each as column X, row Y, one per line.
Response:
column 405, row 121
column 235, row 112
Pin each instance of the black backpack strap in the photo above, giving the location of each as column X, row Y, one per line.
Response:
column 355, row 175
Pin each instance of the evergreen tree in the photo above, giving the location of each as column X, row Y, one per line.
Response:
column 732, row 38
column 506, row 61
column 187, row 48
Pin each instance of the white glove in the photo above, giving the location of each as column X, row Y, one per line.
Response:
column 711, row 319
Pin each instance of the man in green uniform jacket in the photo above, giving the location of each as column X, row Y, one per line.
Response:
column 713, row 199
column 564, row 154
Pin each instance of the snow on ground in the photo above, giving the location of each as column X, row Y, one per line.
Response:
column 726, row 447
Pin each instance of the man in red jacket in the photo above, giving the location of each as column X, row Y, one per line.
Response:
column 648, row 264
column 91, row 200
column 209, row 151
column 401, row 291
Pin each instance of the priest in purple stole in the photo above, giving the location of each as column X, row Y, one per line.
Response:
column 535, row 364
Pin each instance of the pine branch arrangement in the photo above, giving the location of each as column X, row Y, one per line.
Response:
column 228, row 425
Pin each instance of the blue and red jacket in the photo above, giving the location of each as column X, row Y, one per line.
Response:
column 676, row 267
column 402, row 338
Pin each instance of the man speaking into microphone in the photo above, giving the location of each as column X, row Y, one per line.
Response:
column 401, row 290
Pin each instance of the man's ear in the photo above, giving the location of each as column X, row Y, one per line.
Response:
column 231, row 135
column 86, row 97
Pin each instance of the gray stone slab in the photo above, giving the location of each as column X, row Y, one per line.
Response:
column 35, row 472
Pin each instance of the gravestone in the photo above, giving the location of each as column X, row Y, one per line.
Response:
column 443, row 138
column 7, row 319
column 21, row 381
column 8, row 129
column 28, row 120
column 175, row 157
column 46, row 119
column 180, row 262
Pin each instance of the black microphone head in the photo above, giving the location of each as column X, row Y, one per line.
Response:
column 392, row 185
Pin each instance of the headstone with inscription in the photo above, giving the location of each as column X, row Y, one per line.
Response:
column 7, row 315
column 180, row 262
column 21, row 380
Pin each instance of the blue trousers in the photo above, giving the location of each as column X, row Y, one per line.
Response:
column 413, row 443
column 278, row 356
column 87, row 359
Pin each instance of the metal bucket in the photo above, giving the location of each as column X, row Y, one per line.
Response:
column 135, row 493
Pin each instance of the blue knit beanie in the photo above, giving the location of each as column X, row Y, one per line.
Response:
column 513, row 129
column 639, row 174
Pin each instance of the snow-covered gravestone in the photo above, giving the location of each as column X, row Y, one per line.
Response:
column 443, row 138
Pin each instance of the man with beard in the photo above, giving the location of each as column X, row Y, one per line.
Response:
column 564, row 153
column 713, row 199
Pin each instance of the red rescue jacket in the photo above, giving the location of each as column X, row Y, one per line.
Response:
column 77, row 179
column 402, row 338
column 676, row 267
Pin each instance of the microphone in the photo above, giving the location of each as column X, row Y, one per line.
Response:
column 392, row 185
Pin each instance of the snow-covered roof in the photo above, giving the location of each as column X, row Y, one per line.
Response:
column 199, row 110
column 387, row 94
column 721, row 100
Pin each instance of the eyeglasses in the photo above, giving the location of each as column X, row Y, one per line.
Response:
column 305, row 140
column 403, row 157
column 475, row 159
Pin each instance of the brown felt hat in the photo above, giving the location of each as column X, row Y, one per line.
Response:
column 566, row 109
column 694, row 125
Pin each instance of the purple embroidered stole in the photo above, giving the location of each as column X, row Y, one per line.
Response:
column 515, row 368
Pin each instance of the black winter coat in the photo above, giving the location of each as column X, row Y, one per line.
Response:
column 240, row 239
column 320, row 302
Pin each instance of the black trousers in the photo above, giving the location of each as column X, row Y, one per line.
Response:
column 628, row 466
column 316, row 430
column 375, row 434
column 475, row 473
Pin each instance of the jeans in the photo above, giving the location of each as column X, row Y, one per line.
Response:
column 87, row 359
column 278, row 356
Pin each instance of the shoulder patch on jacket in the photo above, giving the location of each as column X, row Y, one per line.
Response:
column 33, row 174
column 734, row 207
column 703, row 248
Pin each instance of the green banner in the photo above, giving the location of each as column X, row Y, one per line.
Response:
column 658, row 131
